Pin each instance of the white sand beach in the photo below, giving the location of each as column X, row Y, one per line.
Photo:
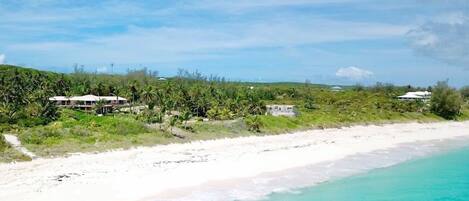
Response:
column 174, row 172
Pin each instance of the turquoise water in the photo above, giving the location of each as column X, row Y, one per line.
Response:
column 443, row 177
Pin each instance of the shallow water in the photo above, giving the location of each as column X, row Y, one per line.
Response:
column 294, row 184
column 441, row 176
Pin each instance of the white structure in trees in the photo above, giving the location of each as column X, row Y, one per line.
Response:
column 416, row 95
column 88, row 102
column 281, row 110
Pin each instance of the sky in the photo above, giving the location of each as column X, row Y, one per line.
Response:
column 416, row 42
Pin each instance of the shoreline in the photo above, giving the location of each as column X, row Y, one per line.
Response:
column 294, row 180
column 152, row 173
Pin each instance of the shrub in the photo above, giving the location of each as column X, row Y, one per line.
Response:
column 40, row 135
column 446, row 101
column 310, row 104
column 3, row 143
column 151, row 116
column 31, row 122
column 80, row 131
column 465, row 92
column 213, row 113
column 253, row 123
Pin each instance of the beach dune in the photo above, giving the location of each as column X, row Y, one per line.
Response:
column 172, row 172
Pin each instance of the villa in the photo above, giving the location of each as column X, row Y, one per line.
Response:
column 417, row 95
column 88, row 102
column 281, row 110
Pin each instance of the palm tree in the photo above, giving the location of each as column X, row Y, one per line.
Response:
column 173, row 120
column 134, row 95
column 185, row 116
column 148, row 96
column 99, row 106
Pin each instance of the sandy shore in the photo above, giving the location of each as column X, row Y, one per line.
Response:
column 171, row 172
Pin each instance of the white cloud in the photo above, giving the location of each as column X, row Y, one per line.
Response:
column 52, row 32
column 248, row 5
column 151, row 44
column 453, row 18
column 444, row 37
column 353, row 73
column 2, row 59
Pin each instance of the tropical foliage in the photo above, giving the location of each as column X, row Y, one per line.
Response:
column 187, row 101
column 446, row 101
column 465, row 92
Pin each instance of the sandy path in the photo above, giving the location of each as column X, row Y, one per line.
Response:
column 16, row 144
column 144, row 173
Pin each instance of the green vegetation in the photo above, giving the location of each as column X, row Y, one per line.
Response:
column 446, row 101
column 173, row 110
column 334, row 109
column 24, row 96
column 3, row 144
column 253, row 123
column 79, row 131
column 465, row 92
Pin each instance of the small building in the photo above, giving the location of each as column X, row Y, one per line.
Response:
column 336, row 88
column 281, row 110
column 88, row 102
column 416, row 95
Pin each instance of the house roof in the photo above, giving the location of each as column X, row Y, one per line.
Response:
column 58, row 98
column 416, row 94
column 410, row 96
column 420, row 93
column 88, row 97
column 280, row 105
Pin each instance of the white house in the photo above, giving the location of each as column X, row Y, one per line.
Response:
column 87, row 102
column 417, row 95
column 281, row 110
column 336, row 88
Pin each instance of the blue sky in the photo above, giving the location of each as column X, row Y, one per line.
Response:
column 414, row 42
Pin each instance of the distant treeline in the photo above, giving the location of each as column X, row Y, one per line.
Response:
column 24, row 94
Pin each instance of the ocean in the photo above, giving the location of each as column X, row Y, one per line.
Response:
column 442, row 176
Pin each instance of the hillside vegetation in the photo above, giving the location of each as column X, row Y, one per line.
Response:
column 175, row 107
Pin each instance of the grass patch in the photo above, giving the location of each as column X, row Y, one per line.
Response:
column 332, row 118
column 78, row 131
column 219, row 129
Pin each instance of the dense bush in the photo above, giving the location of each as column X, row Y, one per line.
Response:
column 446, row 101
column 465, row 92
column 310, row 104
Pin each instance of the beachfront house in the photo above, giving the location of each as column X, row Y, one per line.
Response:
column 88, row 102
column 281, row 110
column 416, row 95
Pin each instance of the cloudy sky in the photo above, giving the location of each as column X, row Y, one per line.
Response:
column 326, row 41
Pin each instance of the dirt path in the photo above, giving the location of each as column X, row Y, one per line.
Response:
column 13, row 141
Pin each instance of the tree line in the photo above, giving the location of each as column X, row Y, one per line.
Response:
column 24, row 95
